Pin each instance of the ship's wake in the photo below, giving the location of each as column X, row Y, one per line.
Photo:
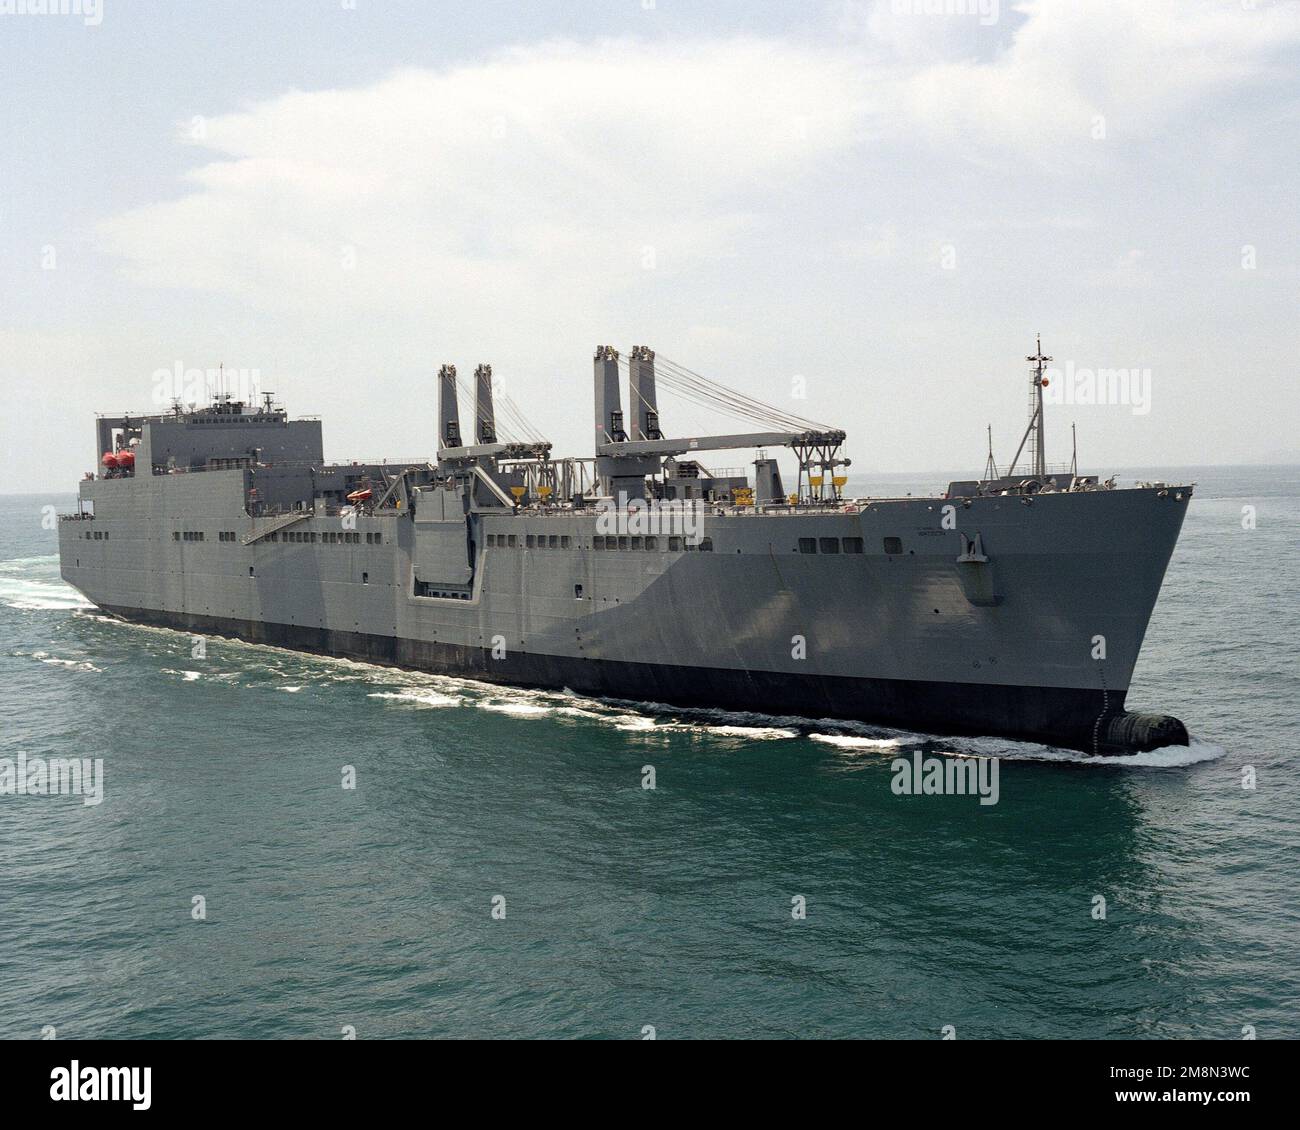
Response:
column 32, row 584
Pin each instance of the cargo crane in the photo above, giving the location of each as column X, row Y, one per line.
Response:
column 625, row 459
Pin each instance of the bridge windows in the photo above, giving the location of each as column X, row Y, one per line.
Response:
column 852, row 545
column 829, row 545
column 893, row 546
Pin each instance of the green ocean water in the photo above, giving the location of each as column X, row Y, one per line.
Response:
column 626, row 908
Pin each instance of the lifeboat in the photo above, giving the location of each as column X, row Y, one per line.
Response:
column 362, row 495
column 109, row 461
column 126, row 459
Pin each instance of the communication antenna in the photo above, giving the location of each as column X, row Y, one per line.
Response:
column 1074, row 450
column 1034, row 432
column 990, row 468
column 1037, row 453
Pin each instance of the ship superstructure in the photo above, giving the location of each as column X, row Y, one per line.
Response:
column 1011, row 605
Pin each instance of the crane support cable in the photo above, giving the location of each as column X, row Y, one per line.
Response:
column 717, row 397
column 725, row 399
column 510, row 422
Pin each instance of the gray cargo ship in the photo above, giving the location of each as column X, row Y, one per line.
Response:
column 1013, row 605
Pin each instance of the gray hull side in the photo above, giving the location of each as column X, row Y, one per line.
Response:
column 1063, row 572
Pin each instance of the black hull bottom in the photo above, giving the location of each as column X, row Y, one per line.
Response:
column 1070, row 718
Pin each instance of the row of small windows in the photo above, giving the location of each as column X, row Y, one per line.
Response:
column 600, row 541
column 675, row 544
column 98, row 535
column 329, row 537
column 531, row 541
column 844, row 545
column 305, row 536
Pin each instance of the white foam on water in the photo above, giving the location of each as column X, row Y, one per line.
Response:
column 1167, row 757
column 523, row 709
column 188, row 676
column 635, row 722
column 29, row 595
column 1172, row 756
column 69, row 664
column 426, row 698
column 757, row 733
column 852, row 742
column 26, row 564
column 581, row 712
column 289, row 690
column 715, row 719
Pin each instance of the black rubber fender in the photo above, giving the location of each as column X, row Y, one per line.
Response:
column 1136, row 733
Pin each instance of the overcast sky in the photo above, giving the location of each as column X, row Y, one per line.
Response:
column 886, row 200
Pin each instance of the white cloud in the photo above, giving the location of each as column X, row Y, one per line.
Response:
column 558, row 172
column 542, row 175
column 1068, row 64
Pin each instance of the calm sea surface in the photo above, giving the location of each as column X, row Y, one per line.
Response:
column 624, row 907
